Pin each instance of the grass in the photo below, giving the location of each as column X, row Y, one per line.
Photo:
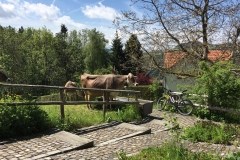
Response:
column 168, row 151
column 78, row 116
column 207, row 131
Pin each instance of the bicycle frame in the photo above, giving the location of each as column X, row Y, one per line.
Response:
column 183, row 105
column 174, row 97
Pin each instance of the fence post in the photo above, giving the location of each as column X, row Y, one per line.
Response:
column 104, row 105
column 63, row 100
column 136, row 98
column 137, row 104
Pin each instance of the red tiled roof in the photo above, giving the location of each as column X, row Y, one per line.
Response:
column 172, row 58
column 218, row 55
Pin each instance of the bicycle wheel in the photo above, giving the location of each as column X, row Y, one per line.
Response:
column 161, row 103
column 185, row 107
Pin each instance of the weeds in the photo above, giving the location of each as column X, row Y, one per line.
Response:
column 168, row 151
column 207, row 131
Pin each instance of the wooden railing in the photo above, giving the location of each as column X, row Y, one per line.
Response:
column 63, row 100
column 214, row 108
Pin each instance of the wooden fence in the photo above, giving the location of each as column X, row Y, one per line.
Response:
column 63, row 100
column 214, row 108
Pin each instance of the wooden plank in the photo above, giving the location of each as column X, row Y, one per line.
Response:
column 59, row 87
column 222, row 109
column 67, row 103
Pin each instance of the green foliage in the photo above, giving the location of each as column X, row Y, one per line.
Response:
column 220, row 84
column 168, row 151
column 206, row 131
column 32, row 56
column 134, row 54
column 101, row 71
column 95, row 52
column 129, row 113
column 233, row 156
column 68, row 55
column 156, row 90
column 118, row 57
column 22, row 120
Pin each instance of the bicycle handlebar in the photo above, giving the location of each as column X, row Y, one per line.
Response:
column 170, row 91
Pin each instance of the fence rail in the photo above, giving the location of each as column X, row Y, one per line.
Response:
column 214, row 108
column 63, row 100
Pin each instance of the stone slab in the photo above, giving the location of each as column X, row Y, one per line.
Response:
column 73, row 139
column 140, row 130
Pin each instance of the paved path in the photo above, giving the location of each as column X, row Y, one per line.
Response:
column 108, row 140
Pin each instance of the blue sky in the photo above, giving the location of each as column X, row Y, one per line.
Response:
column 75, row 14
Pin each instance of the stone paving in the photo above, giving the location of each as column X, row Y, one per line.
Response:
column 158, row 122
column 30, row 148
column 106, row 134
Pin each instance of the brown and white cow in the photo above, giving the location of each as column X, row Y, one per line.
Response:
column 109, row 81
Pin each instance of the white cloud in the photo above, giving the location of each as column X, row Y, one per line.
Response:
column 45, row 12
column 6, row 10
column 18, row 13
column 100, row 11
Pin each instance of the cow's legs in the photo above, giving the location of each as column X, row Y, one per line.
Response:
column 88, row 98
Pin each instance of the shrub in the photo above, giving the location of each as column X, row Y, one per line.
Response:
column 156, row 90
column 220, row 84
column 22, row 120
column 143, row 79
column 129, row 113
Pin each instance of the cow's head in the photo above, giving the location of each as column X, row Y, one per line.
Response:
column 131, row 80
column 71, row 84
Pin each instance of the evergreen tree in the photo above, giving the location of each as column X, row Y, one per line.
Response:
column 62, row 57
column 118, row 56
column 133, row 55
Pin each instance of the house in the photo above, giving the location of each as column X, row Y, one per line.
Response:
column 181, row 68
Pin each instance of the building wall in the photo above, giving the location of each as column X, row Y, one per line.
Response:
column 173, row 82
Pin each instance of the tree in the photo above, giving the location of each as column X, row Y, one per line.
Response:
column 33, row 56
column 62, row 57
column 133, row 55
column 118, row 56
column 76, row 64
column 95, row 52
column 11, row 59
column 173, row 22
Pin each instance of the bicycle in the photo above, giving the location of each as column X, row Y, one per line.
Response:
column 182, row 105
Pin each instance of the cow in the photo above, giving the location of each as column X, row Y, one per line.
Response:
column 109, row 81
column 70, row 94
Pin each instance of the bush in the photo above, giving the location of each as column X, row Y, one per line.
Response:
column 129, row 113
column 22, row 121
column 220, row 84
column 142, row 79
column 156, row 90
